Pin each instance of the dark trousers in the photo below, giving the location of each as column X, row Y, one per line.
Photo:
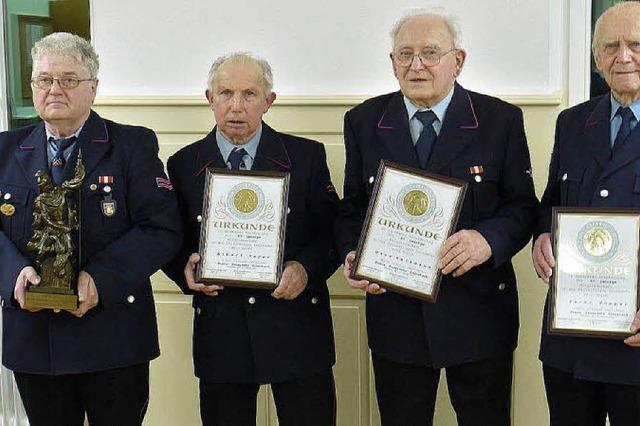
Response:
column 310, row 401
column 575, row 402
column 480, row 392
column 111, row 397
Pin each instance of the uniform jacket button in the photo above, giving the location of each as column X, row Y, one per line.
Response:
column 199, row 218
column 564, row 177
column 198, row 311
column 478, row 178
column 502, row 286
column 604, row 193
column 131, row 299
column 371, row 179
column 252, row 300
column 7, row 196
column 314, row 300
column 288, row 210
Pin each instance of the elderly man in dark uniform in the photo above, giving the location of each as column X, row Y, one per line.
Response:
column 245, row 337
column 435, row 124
column 596, row 163
column 94, row 359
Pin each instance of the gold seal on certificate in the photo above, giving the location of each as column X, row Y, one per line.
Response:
column 410, row 215
column 243, row 226
column 594, row 285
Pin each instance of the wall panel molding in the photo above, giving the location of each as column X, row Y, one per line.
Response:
column 542, row 99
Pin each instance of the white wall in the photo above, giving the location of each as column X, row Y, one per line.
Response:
column 153, row 47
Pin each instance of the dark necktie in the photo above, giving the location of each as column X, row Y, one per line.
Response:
column 427, row 138
column 58, row 162
column 625, row 127
column 236, row 158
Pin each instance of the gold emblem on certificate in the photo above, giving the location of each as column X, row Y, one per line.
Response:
column 243, row 225
column 594, row 286
column 410, row 215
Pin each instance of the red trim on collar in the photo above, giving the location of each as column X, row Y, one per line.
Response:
column 380, row 126
column 203, row 168
column 106, row 132
column 286, row 166
column 475, row 117
column 590, row 122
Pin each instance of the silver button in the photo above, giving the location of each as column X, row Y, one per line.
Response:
column 501, row 286
column 2, row 302
column 199, row 218
column 288, row 210
column 564, row 177
column 252, row 300
column 93, row 187
column 198, row 311
column 314, row 300
column 106, row 189
column 131, row 299
column 604, row 193
column 370, row 179
column 7, row 196
column 478, row 178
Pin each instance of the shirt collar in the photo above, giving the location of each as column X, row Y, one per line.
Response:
column 226, row 147
column 439, row 109
column 634, row 107
column 51, row 135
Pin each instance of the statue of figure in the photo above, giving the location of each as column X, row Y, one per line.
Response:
column 54, row 218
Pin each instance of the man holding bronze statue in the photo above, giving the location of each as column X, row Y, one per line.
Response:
column 244, row 337
column 84, row 222
column 595, row 164
column 471, row 330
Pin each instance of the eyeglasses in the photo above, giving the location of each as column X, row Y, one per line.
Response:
column 45, row 83
column 428, row 57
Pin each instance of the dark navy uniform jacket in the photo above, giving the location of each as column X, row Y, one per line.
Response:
column 476, row 315
column 245, row 335
column 119, row 252
column 583, row 172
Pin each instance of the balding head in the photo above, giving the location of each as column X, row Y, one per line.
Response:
column 616, row 49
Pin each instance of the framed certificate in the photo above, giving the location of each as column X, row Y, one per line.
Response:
column 243, row 228
column 410, row 216
column 594, row 286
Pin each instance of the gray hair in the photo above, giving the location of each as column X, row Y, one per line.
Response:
column 613, row 9
column 68, row 45
column 450, row 22
column 242, row 58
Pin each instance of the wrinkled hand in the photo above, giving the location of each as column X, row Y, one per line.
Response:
column 87, row 294
column 363, row 285
column 293, row 281
column 190, row 277
column 462, row 251
column 542, row 256
column 635, row 327
column 28, row 276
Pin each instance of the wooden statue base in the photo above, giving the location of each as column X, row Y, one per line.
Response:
column 56, row 301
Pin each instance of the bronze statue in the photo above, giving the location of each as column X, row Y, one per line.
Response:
column 54, row 220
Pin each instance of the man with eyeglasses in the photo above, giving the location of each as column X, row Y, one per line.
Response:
column 595, row 163
column 436, row 125
column 92, row 360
